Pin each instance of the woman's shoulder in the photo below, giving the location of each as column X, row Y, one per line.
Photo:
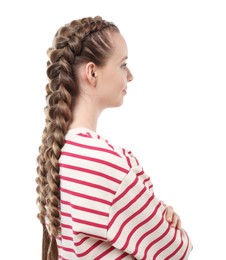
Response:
column 86, row 141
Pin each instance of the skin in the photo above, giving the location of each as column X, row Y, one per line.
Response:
column 105, row 87
column 102, row 87
column 173, row 218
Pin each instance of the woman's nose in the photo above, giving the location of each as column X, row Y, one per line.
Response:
column 129, row 75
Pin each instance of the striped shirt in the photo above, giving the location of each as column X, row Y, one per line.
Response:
column 108, row 206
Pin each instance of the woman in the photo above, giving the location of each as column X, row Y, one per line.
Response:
column 94, row 198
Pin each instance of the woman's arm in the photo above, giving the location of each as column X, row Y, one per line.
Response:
column 142, row 226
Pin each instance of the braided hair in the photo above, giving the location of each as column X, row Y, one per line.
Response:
column 78, row 42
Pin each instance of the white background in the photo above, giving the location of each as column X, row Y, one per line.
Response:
column 173, row 118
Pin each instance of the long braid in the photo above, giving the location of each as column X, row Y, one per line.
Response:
column 81, row 40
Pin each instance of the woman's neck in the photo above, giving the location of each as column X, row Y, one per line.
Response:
column 85, row 115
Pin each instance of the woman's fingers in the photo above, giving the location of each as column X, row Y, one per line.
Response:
column 169, row 213
column 173, row 218
column 176, row 222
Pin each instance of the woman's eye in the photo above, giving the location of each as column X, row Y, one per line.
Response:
column 124, row 66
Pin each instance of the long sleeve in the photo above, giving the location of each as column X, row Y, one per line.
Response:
column 137, row 223
column 108, row 209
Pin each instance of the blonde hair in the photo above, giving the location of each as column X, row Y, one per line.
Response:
column 79, row 41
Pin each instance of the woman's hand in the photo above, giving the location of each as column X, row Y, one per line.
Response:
column 172, row 217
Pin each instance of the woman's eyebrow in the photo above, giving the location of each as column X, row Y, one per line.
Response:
column 125, row 58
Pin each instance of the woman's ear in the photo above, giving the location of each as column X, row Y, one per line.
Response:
column 91, row 73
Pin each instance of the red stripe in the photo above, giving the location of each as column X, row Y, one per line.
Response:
column 91, row 235
column 146, row 180
column 89, row 223
column 97, row 212
column 67, row 249
column 176, row 250
column 66, row 238
column 130, row 218
column 122, row 256
column 62, row 258
column 125, row 192
column 127, row 206
column 89, row 171
column 140, row 225
column 66, row 226
column 81, row 241
column 110, row 249
column 140, row 173
column 83, row 233
column 137, row 161
column 95, row 160
column 89, row 147
column 183, row 257
column 166, row 246
column 149, row 231
column 111, row 146
column 155, row 241
column 76, row 243
column 84, row 222
column 90, row 249
column 89, row 184
column 81, row 195
column 127, row 158
column 85, row 135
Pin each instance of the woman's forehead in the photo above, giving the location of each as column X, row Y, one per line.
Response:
column 119, row 45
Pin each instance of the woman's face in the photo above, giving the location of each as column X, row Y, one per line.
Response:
column 112, row 79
